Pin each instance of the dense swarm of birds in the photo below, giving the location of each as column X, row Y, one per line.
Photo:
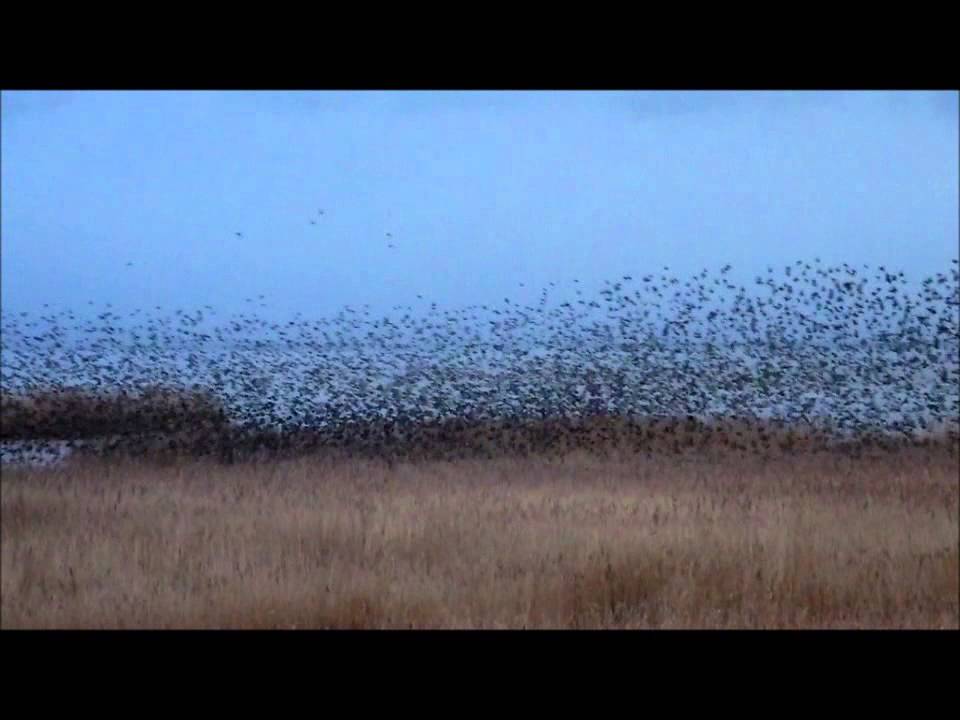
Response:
column 650, row 360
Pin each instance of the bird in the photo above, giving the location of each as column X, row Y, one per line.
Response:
column 239, row 234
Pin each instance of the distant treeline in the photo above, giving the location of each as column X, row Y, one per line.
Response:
column 69, row 414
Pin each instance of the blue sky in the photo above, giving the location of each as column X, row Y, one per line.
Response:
column 479, row 191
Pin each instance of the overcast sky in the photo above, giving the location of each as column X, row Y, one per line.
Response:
column 479, row 192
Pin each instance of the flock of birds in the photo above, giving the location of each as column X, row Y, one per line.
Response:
column 651, row 360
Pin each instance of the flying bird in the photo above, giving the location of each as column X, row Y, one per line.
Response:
column 239, row 234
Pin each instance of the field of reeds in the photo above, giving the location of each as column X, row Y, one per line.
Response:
column 655, row 458
column 575, row 540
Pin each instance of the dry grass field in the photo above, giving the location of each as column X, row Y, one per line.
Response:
column 730, row 540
